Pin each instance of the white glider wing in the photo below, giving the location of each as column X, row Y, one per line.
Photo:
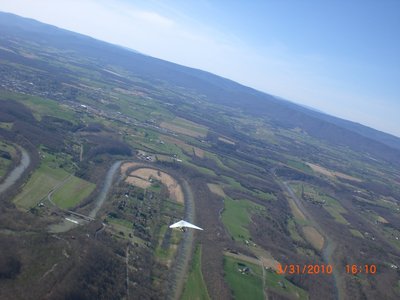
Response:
column 182, row 224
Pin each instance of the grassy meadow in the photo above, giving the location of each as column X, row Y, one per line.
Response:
column 195, row 288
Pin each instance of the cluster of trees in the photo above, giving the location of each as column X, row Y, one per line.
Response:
column 50, row 131
column 100, row 276
column 10, row 264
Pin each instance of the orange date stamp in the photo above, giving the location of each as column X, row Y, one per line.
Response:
column 308, row 269
column 317, row 269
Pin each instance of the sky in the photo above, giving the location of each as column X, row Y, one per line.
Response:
column 340, row 57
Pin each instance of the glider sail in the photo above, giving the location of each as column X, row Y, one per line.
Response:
column 182, row 224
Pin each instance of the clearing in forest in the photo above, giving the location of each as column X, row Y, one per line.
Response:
column 175, row 190
column 195, row 286
column 216, row 189
column 72, row 192
column 244, row 278
column 313, row 237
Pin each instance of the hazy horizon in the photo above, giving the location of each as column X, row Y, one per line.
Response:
column 303, row 52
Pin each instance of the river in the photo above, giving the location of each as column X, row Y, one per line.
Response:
column 102, row 196
column 180, row 267
column 17, row 172
column 72, row 222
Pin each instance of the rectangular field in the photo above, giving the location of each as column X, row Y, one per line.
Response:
column 39, row 185
column 183, row 126
column 244, row 285
column 195, row 287
column 73, row 192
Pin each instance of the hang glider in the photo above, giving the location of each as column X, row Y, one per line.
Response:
column 182, row 225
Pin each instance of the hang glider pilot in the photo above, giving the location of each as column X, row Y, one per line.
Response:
column 182, row 225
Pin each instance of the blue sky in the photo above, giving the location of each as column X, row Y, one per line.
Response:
column 341, row 57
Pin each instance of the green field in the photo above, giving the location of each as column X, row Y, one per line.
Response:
column 123, row 230
column 73, row 192
column 200, row 169
column 263, row 195
column 218, row 161
column 118, row 221
column 294, row 234
column 356, row 233
column 69, row 190
column 43, row 107
column 42, row 181
column 195, row 288
column 236, row 217
column 189, row 125
column 331, row 205
column 244, row 286
column 234, row 183
column 256, row 193
column 300, row 166
column 282, row 286
column 335, row 209
column 166, row 255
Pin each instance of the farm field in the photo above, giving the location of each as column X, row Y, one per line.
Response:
column 195, row 288
column 172, row 185
column 332, row 174
column 168, row 242
column 185, row 127
column 245, row 279
column 48, row 177
column 284, row 287
column 216, row 189
column 331, row 205
column 39, row 185
column 313, row 237
column 72, row 192
column 140, row 144
column 236, row 217
column 43, row 107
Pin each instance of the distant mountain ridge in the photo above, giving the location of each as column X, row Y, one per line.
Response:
column 214, row 88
